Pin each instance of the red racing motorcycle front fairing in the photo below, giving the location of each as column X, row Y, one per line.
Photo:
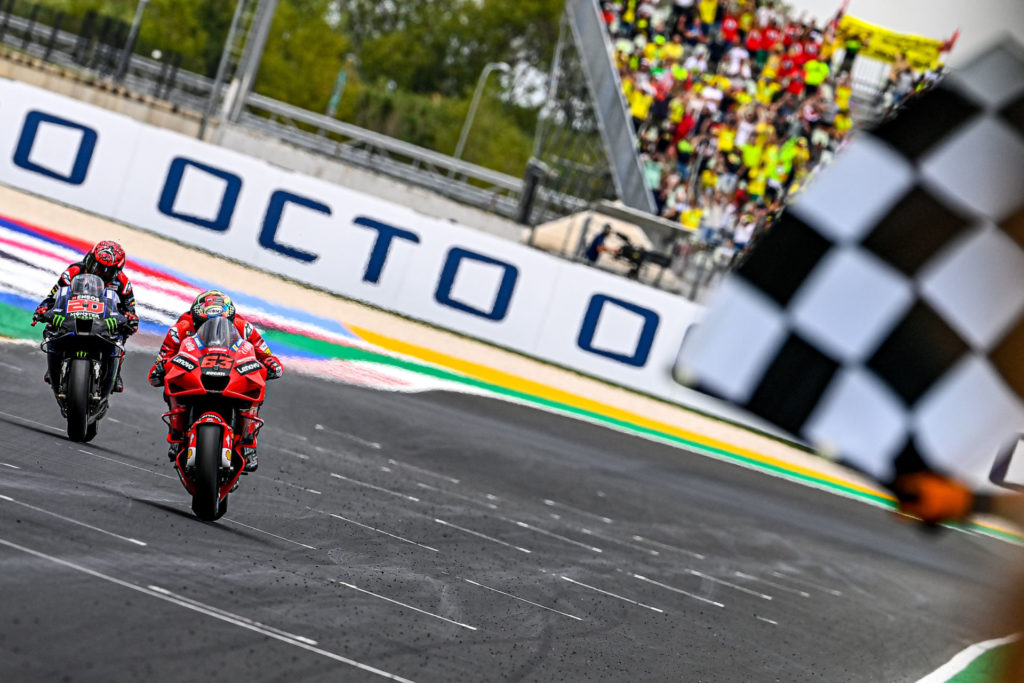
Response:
column 213, row 384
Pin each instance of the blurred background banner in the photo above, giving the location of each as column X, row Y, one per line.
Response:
column 882, row 319
column 885, row 45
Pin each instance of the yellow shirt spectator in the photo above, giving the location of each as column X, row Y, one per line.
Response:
column 752, row 155
column 746, row 21
column 766, row 90
column 676, row 110
column 757, row 185
column 815, row 72
column 691, row 218
column 843, row 94
column 708, row 9
column 708, row 178
column 652, row 51
column 843, row 123
column 640, row 105
column 726, row 139
column 673, row 51
column 770, row 166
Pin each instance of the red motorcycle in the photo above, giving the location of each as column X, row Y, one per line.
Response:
column 214, row 383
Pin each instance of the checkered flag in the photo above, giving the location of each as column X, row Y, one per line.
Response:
column 882, row 318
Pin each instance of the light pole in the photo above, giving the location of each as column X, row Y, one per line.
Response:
column 467, row 124
column 222, row 67
column 129, row 45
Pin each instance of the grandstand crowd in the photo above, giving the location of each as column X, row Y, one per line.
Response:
column 736, row 104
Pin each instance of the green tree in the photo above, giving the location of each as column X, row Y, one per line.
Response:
column 303, row 55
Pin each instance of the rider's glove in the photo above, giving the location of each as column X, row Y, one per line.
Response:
column 156, row 373
column 40, row 314
column 131, row 324
column 932, row 497
column 274, row 367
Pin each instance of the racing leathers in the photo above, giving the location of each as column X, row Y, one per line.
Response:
column 176, row 426
column 119, row 283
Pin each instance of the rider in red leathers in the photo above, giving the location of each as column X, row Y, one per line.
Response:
column 209, row 304
column 106, row 260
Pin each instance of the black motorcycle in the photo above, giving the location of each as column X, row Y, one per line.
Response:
column 84, row 345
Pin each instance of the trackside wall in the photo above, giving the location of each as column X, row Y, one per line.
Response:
column 342, row 241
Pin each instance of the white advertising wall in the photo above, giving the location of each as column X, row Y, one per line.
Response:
column 344, row 242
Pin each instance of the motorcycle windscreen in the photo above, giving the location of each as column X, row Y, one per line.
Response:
column 87, row 285
column 218, row 332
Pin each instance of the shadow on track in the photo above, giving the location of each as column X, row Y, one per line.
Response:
column 57, row 433
column 192, row 518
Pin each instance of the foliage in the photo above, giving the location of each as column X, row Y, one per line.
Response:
column 412, row 65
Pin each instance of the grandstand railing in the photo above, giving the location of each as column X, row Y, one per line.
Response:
column 613, row 118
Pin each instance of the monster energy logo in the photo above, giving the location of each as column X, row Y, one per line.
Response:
column 81, row 354
column 58, row 320
column 111, row 325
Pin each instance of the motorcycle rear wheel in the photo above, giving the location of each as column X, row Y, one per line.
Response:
column 205, row 481
column 79, row 386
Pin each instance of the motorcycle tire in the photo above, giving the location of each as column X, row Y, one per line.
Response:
column 79, row 386
column 205, row 480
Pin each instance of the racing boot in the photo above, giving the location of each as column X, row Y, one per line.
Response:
column 46, row 377
column 118, row 384
column 251, row 463
column 173, row 449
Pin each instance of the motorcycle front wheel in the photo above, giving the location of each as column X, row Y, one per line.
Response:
column 205, row 477
column 79, row 386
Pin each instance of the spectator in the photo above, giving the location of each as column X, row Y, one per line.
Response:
column 596, row 246
column 734, row 104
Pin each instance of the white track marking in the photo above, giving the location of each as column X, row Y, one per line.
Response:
column 528, row 602
column 554, row 503
column 251, row 622
column 12, row 367
column 300, row 437
column 381, row 531
column 295, row 486
column 613, row 595
column 648, row 551
column 126, row 464
column 715, row 579
column 374, row 487
column 775, row 623
column 492, row 539
column 678, row 590
column 59, row 430
column 262, row 531
column 402, row 604
column 300, row 456
column 961, row 659
column 428, row 487
column 423, row 470
column 13, row 467
column 773, row 584
column 666, row 546
column 794, row 579
column 168, row 596
column 74, row 521
column 545, row 532
column 369, row 444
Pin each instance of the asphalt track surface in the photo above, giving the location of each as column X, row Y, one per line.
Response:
column 448, row 537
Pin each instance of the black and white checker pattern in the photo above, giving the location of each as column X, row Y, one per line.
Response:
column 882, row 319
